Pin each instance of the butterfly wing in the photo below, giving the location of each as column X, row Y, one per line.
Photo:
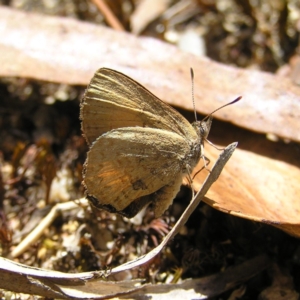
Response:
column 126, row 165
column 113, row 100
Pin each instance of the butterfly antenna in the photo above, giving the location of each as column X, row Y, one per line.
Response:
column 193, row 96
column 232, row 102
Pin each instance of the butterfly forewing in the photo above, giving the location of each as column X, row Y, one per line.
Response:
column 114, row 100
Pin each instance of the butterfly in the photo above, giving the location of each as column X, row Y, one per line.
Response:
column 140, row 147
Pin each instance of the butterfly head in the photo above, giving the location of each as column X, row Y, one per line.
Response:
column 203, row 127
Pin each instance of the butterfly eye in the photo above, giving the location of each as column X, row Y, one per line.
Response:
column 202, row 129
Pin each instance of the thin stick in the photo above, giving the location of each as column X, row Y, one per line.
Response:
column 108, row 15
column 35, row 234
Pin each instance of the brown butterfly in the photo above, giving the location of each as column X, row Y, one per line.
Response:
column 140, row 147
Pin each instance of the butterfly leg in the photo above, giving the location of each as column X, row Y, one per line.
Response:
column 163, row 198
column 190, row 179
column 206, row 160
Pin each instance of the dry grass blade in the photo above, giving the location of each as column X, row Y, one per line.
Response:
column 211, row 178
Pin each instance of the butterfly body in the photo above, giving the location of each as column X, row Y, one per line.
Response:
column 140, row 147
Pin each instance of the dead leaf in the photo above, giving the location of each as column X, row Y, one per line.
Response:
column 87, row 285
column 282, row 286
column 146, row 12
column 55, row 49
column 260, row 182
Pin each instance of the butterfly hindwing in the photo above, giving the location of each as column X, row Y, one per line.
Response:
column 130, row 163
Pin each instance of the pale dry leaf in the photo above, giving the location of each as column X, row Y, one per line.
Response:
column 208, row 286
column 282, row 287
column 59, row 285
column 291, row 70
column 261, row 181
column 146, row 12
column 89, row 285
column 260, row 189
column 54, row 49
